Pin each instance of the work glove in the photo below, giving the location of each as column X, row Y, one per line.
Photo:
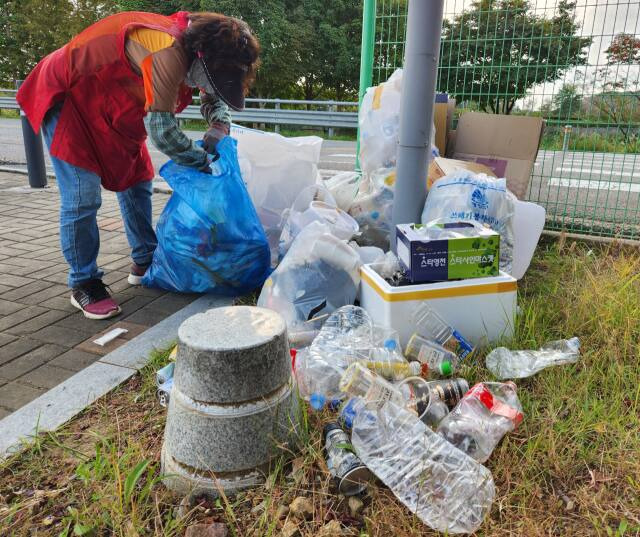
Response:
column 216, row 132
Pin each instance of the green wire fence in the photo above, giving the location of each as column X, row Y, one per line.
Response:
column 574, row 62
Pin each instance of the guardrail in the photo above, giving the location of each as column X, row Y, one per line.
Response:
column 268, row 111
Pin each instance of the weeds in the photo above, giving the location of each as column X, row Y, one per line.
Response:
column 572, row 468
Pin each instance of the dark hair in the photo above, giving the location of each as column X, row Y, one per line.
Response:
column 224, row 42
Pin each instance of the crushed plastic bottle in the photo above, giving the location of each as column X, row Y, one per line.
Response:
column 484, row 415
column 508, row 364
column 432, row 326
column 440, row 360
column 445, row 488
column 347, row 337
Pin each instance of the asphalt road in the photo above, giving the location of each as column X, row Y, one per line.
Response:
column 579, row 190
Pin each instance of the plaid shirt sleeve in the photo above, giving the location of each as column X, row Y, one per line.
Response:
column 163, row 129
column 214, row 109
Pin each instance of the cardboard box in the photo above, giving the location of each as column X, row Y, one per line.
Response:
column 482, row 309
column 473, row 253
column 440, row 167
column 506, row 144
column 440, row 112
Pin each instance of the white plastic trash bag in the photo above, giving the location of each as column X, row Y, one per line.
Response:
column 315, row 204
column 344, row 187
column 379, row 121
column 464, row 195
column 319, row 274
column 276, row 169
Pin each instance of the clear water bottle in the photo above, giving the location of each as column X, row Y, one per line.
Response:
column 485, row 414
column 431, row 325
column 375, row 391
column 445, row 488
column 507, row 364
column 398, row 370
column 439, row 360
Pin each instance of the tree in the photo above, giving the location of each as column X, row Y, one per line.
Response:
column 164, row 7
column 31, row 29
column 495, row 51
column 619, row 79
column 567, row 102
column 329, row 46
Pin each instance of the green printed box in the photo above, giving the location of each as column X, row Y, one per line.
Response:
column 447, row 251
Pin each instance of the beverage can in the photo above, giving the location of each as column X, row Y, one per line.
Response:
column 350, row 474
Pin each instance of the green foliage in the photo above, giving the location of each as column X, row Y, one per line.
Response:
column 31, row 29
column 495, row 51
column 567, row 102
column 164, row 7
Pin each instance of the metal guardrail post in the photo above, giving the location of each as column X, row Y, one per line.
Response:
column 424, row 24
column 33, row 150
column 277, row 127
column 366, row 59
column 567, row 134
column 332, row 108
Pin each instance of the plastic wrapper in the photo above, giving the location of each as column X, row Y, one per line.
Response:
column 209, row 237
column 344, row 188
column 319, row 274
column 487, row 412
column 315, row 204
column 445, row 488
column 276, row 169
column 508, row 364
column 468, row 196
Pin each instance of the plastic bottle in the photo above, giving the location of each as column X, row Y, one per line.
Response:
column 431, row 325
column 485, row 414
column 398, row 370
column 445, row 488
column 507, row 364
column 440, row 360
column 358, row 381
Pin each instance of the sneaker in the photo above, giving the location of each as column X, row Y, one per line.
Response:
column 136, row 272
column 93, row 299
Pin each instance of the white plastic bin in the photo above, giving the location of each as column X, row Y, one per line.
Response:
column 482, row 309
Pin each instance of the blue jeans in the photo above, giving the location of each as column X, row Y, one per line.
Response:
column 80, row 199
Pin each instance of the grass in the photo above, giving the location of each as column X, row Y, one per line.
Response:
column 572, row 468
column 593, row 142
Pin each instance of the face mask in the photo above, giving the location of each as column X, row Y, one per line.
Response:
column 197, row 78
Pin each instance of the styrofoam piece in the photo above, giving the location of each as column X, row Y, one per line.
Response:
column 528, row 223
column 110, row 336
column 482, row 309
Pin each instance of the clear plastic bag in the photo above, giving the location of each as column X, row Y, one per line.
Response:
column 487, row 412
column 379, row 121
column 319, row 274
column 445, row 488
column 464, row 195
column 209, row 237
column 508, row 364
column 276, row 169
column 344, row 187
column 315, row 204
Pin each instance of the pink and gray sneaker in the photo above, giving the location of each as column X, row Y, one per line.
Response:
column 93, row 299
column 136, row 273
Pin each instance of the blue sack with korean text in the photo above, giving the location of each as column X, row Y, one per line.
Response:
column 210, row 239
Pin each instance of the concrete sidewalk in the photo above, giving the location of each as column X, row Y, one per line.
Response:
column 43, row 339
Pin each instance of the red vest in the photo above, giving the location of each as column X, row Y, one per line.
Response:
column 101, row 125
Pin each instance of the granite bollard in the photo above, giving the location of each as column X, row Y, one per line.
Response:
column 232, row 401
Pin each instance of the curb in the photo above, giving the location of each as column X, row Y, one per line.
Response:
column 66, row 400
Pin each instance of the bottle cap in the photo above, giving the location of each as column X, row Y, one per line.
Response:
column 446, row 369
column 317, row 401
column 390, row 344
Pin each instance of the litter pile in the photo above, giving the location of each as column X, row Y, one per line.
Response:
column 389, row 367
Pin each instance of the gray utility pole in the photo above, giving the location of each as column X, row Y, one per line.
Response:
column 33, row 151
column 424, row 24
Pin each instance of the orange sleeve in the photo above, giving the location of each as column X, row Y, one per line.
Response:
column 147, row 77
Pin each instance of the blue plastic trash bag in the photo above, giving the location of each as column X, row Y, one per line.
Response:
column 209, row 237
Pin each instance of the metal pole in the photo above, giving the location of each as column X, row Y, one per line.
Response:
column 277, row 127
column 33, row 151
column 366, row 58
column 332, row 108
column 565, row 141
column 424, row 23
